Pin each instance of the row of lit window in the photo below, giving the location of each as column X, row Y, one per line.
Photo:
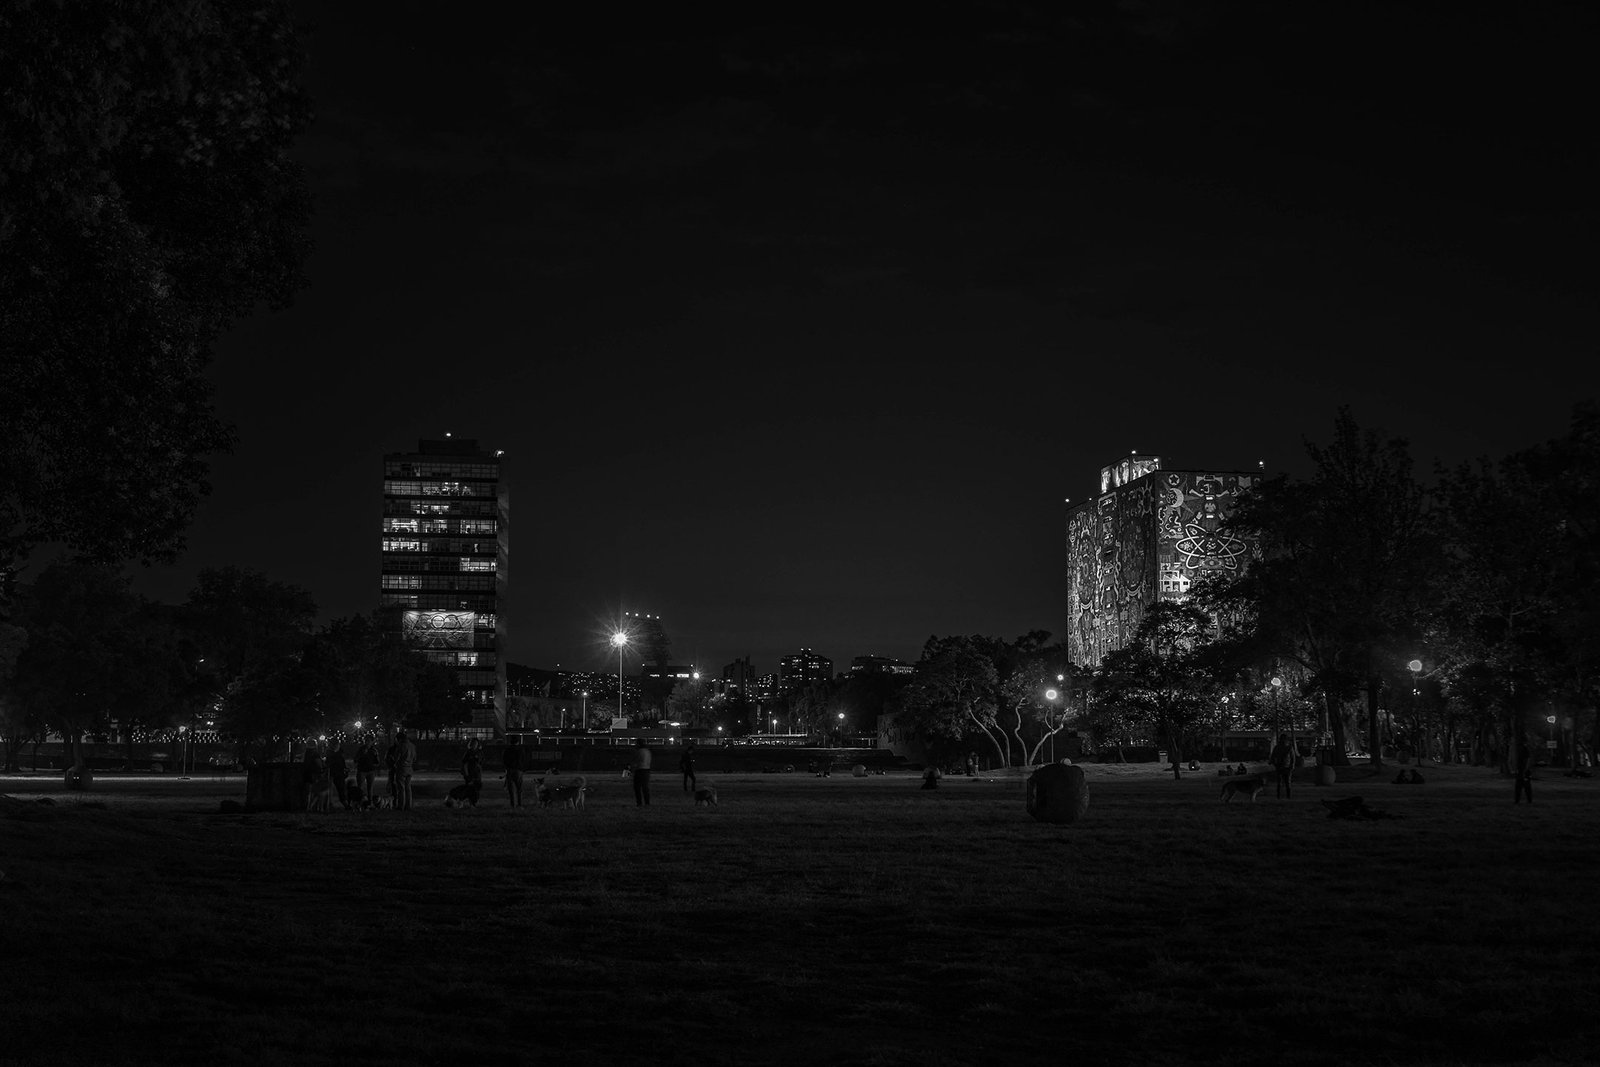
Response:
column 428, row 565
column 401, row 505
column 463, row 527
column 440, row 548
column 436, row 581
column 441, row 469
column 482, row 603
column 460, row 659
column 472, row 489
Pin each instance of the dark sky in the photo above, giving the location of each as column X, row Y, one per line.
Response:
column 797, row 329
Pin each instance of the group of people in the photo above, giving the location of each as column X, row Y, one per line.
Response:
column 327, row 767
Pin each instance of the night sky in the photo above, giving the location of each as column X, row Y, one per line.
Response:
column 798, row 329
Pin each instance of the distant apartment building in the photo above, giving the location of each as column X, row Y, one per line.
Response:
column 803, row 668
column 1145, row 537
column 445, row 564
column 739, row 676
column 861, row 665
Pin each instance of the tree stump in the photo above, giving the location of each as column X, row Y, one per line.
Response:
column 859, row 770
column 1058, row 793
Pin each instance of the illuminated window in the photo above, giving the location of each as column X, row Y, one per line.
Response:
column 486, row 622
column 402, row 581
column 400, row 526
column 469, row 564
column 397, row 545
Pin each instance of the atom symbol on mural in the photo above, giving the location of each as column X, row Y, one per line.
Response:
column 1203, row 549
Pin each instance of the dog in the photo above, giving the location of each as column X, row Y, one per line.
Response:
column 463, row 795
column 705, row 796
column 568, row 792
column 385, row 802
column 1237, row 786
column 319, row 795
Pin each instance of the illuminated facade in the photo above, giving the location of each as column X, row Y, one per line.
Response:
column 445, row 563
column 1145, row 537
column 803, row 668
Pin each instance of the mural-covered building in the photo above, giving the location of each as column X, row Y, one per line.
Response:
column 1146, row 536
column 444, row 565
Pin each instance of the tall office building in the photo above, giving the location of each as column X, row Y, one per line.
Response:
column 445, row 565
column 803, row 668
column 1145, row 537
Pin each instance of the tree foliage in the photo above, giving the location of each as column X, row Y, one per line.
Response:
column 147, row 201
column 984, row 685
column 1349, row 556
column 1167, row 676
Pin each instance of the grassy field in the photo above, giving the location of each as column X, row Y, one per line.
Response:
column 804, row 920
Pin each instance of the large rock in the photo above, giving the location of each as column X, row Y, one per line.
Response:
column 1058, row 793
column 1326, row 775
column 859, row 770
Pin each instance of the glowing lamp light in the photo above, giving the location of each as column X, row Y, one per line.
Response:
column 1415, row 666
column 1051, row 694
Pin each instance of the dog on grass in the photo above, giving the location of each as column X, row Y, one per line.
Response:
column 319, row 795
column 1243, row 786
column 705, row 796
column 568, row 792
column 463, row 795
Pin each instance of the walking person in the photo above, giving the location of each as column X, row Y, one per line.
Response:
column 472, row 763
column 1524, row 786
column 388, row 766
column 405, row 761
column 338, row 770
column 1283, row 758
column 513, row 763
column 367, row 766
column 686, row 765
column 316, row 772
column 641, row 773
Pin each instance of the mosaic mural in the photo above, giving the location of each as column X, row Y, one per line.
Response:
column 1144, row 540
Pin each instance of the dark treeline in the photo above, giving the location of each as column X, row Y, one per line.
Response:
column 240, row 657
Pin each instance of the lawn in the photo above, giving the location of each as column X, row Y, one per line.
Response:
column 837, row 920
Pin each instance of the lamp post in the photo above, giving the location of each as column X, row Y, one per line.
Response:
column 1054, row 697
column 1415, row 667
column 1551, row 743
column 620, row 640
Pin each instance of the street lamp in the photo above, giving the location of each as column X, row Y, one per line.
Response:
column 620, row 640
column 1415, row 667
column 1054, row 697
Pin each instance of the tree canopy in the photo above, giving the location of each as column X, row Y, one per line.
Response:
column 147, row 201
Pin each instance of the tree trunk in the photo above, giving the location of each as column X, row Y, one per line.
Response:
column 1374, row 738
column 1335, row 713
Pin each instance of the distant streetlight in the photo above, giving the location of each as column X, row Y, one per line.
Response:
column 774, row 724
column 620, row 640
